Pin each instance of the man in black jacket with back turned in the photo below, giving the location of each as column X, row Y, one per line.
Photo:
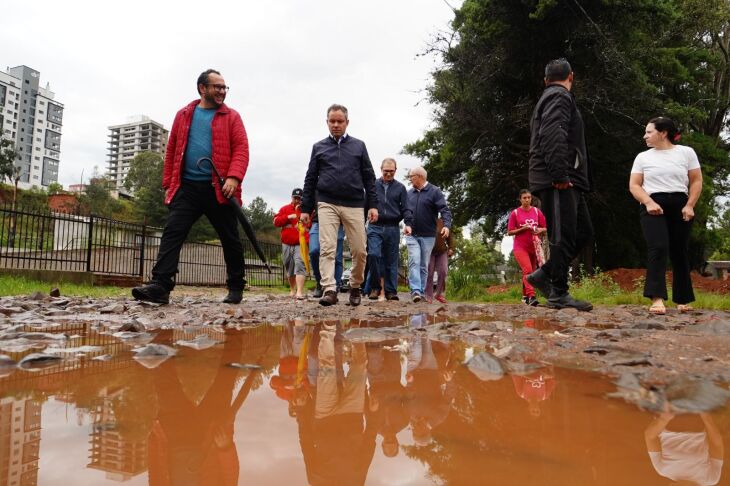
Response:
column 341, row 179
column 559, row 176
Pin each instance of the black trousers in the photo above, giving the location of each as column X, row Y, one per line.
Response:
column 569, row 229
column 191, row 201
column 667, row 234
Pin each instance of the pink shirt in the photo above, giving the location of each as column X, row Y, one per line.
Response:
column 517, row 218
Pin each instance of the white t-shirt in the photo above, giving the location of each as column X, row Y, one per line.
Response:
column 666, row 170
column 686, row 456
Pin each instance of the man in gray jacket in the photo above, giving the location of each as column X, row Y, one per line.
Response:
column 559, row 177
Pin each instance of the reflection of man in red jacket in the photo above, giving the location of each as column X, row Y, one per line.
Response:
column 204, row 128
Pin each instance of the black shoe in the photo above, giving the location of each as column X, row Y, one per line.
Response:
column 355, row 297
column 234, row 297
column 391, row 297
column 373, row 295
column 566, row 300
column 532, row 301
column 152, row 292
column 540, row 280
column 525, row 300
column 329, row 298
column 416, row 297
column 317, row 292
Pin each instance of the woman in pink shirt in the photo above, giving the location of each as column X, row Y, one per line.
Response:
column 525, row 222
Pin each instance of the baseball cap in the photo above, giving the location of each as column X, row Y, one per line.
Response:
column 297, row 192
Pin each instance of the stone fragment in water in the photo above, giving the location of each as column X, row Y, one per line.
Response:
column 714, row 328
column 133, row 326
column 616, row 355
column 38, row 361
column 245, row 366
column 201, row 341
column 37, row 296
column 55, row 292
column 485, row 366
column 373, row 335
column 153, row 355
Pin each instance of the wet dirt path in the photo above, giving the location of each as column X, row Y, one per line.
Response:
column 275, row 391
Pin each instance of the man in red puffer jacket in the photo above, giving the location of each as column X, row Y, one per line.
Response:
column 204, row 128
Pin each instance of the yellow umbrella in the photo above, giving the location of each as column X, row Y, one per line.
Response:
column 303, row 246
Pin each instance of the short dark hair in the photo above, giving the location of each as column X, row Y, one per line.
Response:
column 203, row 78
column 336, row 107
column 664, row 124
column 557, row 70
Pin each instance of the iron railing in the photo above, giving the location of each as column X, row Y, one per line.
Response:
column 40, row 239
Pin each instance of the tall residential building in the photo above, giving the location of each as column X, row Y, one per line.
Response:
column 32, row 119
column 20, row 437
column 139, row 134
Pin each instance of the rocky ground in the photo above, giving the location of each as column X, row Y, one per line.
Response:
column 647, row 354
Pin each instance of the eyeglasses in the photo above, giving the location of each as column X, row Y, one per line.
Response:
column 219, row 87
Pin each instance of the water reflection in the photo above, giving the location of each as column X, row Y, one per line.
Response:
column 191, row 441
column 400, row 411
column 686, row 457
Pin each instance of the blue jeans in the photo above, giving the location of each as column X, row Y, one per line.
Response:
column 383, row 257
column 314, row 253
column 419, row 253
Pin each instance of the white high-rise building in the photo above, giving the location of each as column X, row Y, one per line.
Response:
column 32, row 119
column 139, row 134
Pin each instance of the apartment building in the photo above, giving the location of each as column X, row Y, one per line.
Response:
column 32, row 119
column 139, row 134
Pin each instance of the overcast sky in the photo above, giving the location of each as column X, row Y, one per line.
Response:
column 285, row 61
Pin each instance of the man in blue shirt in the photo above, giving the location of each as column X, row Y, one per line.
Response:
column 384, row 234
column 341, row 180
column 425, row 201
column 206, row 127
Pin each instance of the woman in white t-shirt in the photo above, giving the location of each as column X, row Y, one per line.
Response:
column 667, row 181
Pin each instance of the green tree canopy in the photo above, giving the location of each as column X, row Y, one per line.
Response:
column 97, row 198
column 633, row 60
column 144, row 179
column 7, row 159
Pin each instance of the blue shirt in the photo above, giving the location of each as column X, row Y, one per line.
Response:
column 199, row 145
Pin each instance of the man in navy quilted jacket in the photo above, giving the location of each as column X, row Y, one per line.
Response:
column 340, row 177
column 206, row 127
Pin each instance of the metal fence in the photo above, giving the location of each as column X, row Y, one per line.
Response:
column 40, row 239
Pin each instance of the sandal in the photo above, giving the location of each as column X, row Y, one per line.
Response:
column 657, row 308
column 682, row 308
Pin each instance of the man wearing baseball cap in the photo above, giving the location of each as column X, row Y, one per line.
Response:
column 288, row 219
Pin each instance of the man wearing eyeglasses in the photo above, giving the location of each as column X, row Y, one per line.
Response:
column 205, row 127
column 384, row 234
column 425, row 201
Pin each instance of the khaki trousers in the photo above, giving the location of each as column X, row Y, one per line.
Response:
column 353, row 219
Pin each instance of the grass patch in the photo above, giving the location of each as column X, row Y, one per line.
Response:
column 598, row 289
column 13, row 285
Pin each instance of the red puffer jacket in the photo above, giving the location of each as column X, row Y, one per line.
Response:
column 229, row 144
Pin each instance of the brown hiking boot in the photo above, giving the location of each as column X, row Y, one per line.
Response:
column 329, row 298
column 355, row 297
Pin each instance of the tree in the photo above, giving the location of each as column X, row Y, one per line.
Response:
column 262, row 219
column 144, row 179
column 633, row 60
column 476, row 255
column 7, row 159
column 97, row 198
column 54, row 188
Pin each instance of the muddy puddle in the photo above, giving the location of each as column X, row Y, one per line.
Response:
column 346, row 402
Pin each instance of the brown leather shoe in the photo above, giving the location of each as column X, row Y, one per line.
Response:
column 329, row 298
column 373, row 295
column 355, row 297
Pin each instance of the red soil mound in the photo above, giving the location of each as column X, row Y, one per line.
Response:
column 626, row 279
